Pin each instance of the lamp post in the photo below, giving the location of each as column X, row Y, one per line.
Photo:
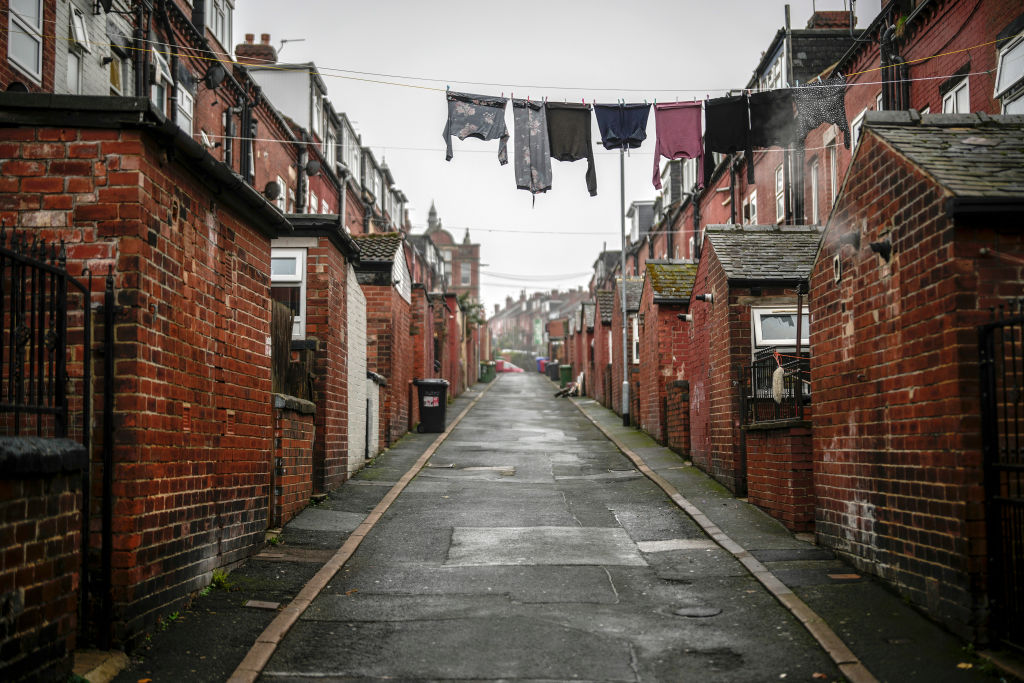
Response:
column 622, row 255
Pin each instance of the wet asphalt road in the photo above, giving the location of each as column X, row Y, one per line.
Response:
column 530, row 549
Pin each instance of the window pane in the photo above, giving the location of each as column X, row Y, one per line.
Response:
column 25, row 49
column 284, row 266
column 1011, row 67
column 963, row 103
column 781, row 326
column 289, row 296
column 1015, row 107
column 29, row 10
column 74, row 73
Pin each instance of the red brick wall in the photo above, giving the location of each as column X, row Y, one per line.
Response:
column 193, row 424
column 715, row 443
column 780, row 473
column 677, row 416
column 663, row 349
column 326, row 322
column 616, row 360
column 896, row 436
column 389, row 353
column 294, row 432
column 40, row 542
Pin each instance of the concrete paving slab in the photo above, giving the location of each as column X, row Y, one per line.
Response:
column 313, row 519
column 541, row 545
column 676, row 544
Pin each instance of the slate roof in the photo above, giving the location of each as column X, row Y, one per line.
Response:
column 378, row 247
column 671, row 280
column 971, row 155
column 605, row 301
column 588, row 315
column 765, row 252
column 634, row 286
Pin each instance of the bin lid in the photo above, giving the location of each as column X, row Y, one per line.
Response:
column 431, row 381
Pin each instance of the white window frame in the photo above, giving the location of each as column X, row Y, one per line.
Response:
column 780, row 194
column 33, row 32
column 465, row 274
column 298, row 279
column 1012, row 92
column 856, row 126
column 316, row 122
column 750, row 208
column 951, row 100
column 815, row 170
column 314, row 203
column 878, row 102
column 282, row 197
column 635, row 352
column 186, row 109
column 926, row 110
column 324, row 208
column 158, row 91
column 219, row 19
column 756, row 313
column 290, row 205
column 330, row 147
column 79, row 31
column 833, row 168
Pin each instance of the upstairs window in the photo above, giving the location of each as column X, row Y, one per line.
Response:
column 957, row 99
column 750, row 209
column 780, row 194
column 161, row 85
column 318, row 113
column 777, row 327
column 186, row 109
column 1010, row 76
column 467, row 274
column 25, row 36
column 288, row 285
column 219, row 20
column 855, row 129
column 814, row 191
column 636, row 340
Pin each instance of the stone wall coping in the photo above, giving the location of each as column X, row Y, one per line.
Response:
column 298, row 405
column 778, row 424
column 27, row 456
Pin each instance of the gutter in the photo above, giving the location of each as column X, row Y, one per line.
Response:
column 962, row 207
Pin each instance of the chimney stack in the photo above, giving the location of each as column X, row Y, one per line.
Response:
column 831, row 19
column 256, row 55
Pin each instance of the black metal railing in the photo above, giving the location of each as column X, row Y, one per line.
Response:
column 36, row 394
column 1001, row 356
column 776, row 387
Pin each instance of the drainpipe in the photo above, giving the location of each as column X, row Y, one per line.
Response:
column 732, row 192
column 142, row 24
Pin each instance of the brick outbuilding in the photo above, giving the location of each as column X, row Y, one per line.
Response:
column 663, row 341
column 600, row 388
column 384, row 277
column 744, row 272
column 924, row 238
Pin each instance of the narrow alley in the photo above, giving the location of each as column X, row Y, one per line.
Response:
column 529, row 547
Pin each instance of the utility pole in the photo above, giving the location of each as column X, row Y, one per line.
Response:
column 622, row 255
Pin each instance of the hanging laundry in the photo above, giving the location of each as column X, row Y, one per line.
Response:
column 821, row 103
column 727, row 130
column 622, row 125
column 677, row 128
column 476, row 116
column 771, row 118
column 569, row 136
column 533, row 151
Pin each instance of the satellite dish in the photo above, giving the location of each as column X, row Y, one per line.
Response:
column 215, row 75
column 312, row 167
column 272, row 191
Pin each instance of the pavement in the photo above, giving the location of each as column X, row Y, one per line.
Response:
column 541, row 540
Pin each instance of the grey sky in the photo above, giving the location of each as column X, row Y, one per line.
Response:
column 562, row 49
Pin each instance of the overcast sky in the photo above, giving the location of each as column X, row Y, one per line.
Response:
column 561, row 49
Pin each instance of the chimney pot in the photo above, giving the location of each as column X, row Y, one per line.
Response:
column 249, row 37
column 265, row 38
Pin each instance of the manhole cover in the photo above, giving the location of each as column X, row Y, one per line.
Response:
column 697, row 612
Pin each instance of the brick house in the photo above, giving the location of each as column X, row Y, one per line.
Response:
column 322, row 253
column 189, row 242
column 462, row 260
column 897, row 292
column 384, row 276
column 665, row 294
column 633, row 287
column 585, row 348
column 746, row 275
column 600, row 388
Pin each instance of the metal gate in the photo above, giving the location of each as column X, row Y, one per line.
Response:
column 1001, row 351
column 47, row 387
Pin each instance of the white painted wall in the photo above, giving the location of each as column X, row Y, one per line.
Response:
column 357, row 382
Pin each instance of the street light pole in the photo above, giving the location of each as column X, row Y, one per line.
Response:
column 622, row 254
